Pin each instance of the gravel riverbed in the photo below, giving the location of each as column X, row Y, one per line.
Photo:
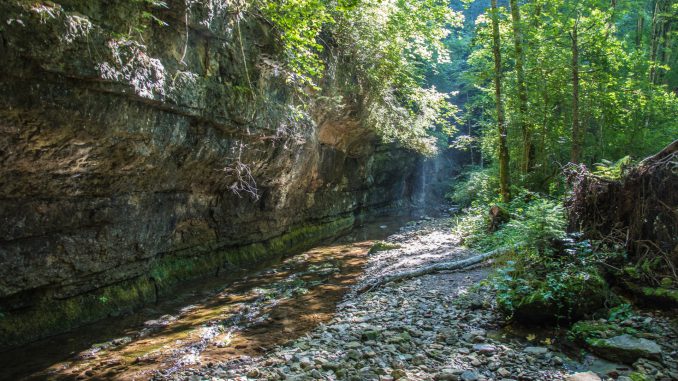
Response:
column 436, row 327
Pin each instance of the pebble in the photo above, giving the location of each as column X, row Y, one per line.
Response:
column 469, row 375
column 536, row 350
column 587, row 376
column 485, row 349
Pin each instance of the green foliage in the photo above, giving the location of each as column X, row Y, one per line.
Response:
column 612, row 170
column 542, row 223
column 387, row 44
column 548, row 291
column 620, row 313
column 477, row 184
column 536, row 221
column 298, row 23
column 549, row 275
column 623, row 109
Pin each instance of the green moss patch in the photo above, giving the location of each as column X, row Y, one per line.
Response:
column 49, row 317
column 55, row 316
column 663, row 296
column 659, row 297
column 383, row 246
column 567, row 296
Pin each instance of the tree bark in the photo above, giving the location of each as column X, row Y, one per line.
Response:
column 522, row 88
column 640, row 26
column 501, row 123
column 654, row 40
column 575, row 153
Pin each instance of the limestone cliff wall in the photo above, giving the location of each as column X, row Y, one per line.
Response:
column 124, row 144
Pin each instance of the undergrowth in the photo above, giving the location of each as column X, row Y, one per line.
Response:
column 553, row 276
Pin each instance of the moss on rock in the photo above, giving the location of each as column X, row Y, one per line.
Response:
column 659, row 297
column 583, row 332
column 383, row 246
column 664, row 297
column 567, row 296
column 48, row 317
column 625, row 348
column 637, row 376
column 55, row 316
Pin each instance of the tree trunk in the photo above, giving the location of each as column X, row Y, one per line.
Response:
column 501, row 123
column 655, row 37
column 669, row 48
column 640, row 26
column 522, row 89
column 575, row 153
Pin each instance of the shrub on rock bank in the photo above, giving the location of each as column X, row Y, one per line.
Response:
column 552, row 278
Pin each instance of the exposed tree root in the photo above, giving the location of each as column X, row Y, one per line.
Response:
column 443, row 266
column 638, row 212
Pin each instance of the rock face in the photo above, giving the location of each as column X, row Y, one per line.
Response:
column 128, row 167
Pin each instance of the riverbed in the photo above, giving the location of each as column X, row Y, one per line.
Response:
column 243, row 314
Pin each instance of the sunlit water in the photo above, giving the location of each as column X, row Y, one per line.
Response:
column 208, row 321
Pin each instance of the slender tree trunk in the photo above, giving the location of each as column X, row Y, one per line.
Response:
column 654, row 39
column 669, row 47
column 468, row 126
column 501, row 123
column 575, row 153
column 522, row 89
column 640, row 26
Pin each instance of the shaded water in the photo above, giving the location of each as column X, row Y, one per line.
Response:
column 211, row 320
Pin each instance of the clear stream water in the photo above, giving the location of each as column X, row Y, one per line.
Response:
column 208, row 320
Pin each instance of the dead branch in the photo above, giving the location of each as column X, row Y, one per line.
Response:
column 443, row 266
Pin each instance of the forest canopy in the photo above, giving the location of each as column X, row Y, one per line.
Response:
column 587, row 81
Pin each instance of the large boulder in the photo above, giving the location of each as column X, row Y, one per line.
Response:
column 626, row 349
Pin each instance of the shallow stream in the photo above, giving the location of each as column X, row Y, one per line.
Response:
column 210, row 320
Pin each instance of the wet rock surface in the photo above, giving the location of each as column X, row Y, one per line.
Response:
column 437, row 327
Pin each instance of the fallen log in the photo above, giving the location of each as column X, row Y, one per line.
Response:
column 442, row 266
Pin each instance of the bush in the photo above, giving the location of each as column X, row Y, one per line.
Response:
column 549, row 280
column 479, row 187
column 542, row 223
column 535, row 221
